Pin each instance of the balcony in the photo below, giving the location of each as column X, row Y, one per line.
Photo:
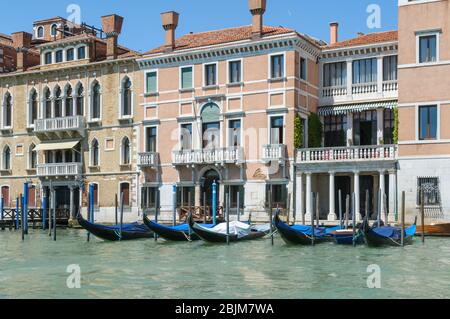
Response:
column 60, row 128
column 334, row 91
column 148, row 159
column 229, row 155
column 364, row 88
column 274, row 152
column 347, row 154
column 59, row 169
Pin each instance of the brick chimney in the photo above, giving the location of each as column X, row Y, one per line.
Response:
column 112, row 26
column 334, row 32
column 170, row 23
column 22, row 43
column 257, row 9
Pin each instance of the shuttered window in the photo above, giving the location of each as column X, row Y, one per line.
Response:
column 186, row 78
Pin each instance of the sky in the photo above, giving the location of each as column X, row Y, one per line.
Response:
column 142, row 28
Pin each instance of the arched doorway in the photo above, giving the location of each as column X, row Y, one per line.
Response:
column 207, row 181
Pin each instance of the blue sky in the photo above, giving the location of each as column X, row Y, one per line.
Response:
column 142, row 27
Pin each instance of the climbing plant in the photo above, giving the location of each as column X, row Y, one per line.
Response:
column 395, row 126
column 315, row 130
column 298, row 132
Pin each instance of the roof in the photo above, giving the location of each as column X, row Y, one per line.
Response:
column 56, row 18
column 201, row 39
column 377, row 37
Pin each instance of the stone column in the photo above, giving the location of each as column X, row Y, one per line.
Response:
column 382, row 191
column 198, row 191
column 72, row 203
column 332, row 212
column 376, row 190
column 357, row 198
column 380, row 125
column 380, row 75
column 300, row 198
column 392, row 195
column 349, row 78
column 308, row 197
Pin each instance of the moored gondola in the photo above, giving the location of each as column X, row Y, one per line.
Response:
column 173, row 233
column 387, row 235
column 238, row 232
column 115, row 233
column 347, row 237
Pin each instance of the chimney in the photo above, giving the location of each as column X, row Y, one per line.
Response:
column 170, row 23
column 22, row 43
column 334, row 32
column 112, row 26
column 257, row 9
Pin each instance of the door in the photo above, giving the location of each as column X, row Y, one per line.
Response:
column 208, row 179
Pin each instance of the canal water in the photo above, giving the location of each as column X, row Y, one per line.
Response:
column 37, row 268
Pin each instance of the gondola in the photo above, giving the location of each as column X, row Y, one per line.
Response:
column 386, row 235
column 435, row 229
column 113, row 233
column 345, row 237
column 173, row 233
column 217, row 235
column 300, row 234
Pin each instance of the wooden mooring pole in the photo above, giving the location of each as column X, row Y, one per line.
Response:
column 271, row 215
column 54, row 214
column 347, row 210
column 422, row 214
column 402, row 220
column 22, row 225
column 227, row 201
column 121, row 215
column 340, row 208
column 317, row 209
column 156, row 211
column 116, row 209
column 313, row 203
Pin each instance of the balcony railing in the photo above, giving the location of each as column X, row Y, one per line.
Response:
column 347, row 154
column 59, row 169
column 334, row 91
column 209, row 156
column 389, row 86
column 148, row 159
column 274, row 152
column 360, row 88
column 364, row 88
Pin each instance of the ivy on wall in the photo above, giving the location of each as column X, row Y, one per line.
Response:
column 315, row 131
column 395, row 126
column 298, row 132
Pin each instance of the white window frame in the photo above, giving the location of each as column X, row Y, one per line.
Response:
column 114, row 144
column 269, row 125
column 3, row 168
column 146, row 81
column 121, row 151
column 242, row 71
column 204, row 74
column 6, row 201
column 181, row 77
column 269, row 67
column 91, row 154
column 37, row 32
column 91, row 104
column 122, row 98
column 228, row 141
column 180, row 131
column 300, row 68
column 30, row 124
column 438, row 122
column 419, row 35
column 3, row 113
column 29, row 151
column 129, row 193
column 145, row 137
column 15, row 150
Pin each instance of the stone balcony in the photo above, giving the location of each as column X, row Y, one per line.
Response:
column 59, row 170
column 274, row 153
column 60, row 128
column 148, row 159
column 217, row 156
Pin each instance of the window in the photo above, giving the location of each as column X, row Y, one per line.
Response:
column 186, row 137
column 54, row 30
column 40, row 32
column 5, row 196
column 303, row 66
column 277, row 66
column 125, row 152
column 187, row 78
column 81, row 53
column 431, row 192
column 335, row 74
column 388, row 129
column 152, row 82
column 148, row 199
column 95, row 153
column 365, row 128
column 234, row 72
column 68, row 102
column 6, row 163
column 276, row 130
column 236, row 191
column 95, row 111
column 427, row 49
column 48, row 58
column 151, row 138
column 70, row 55
column 80, row 100
column 47, row 103
column 279, row 195
column 59, row 56
column 365, row 71
column 33, row 107
column 428, row 122
column 390, row 68
column 211, row 135
column 32, row 157
column 183, row 196
column 58, row 103
column 127, row 98
column 7, row 111
column 210, row 74
column 234, row 129
column 125, row 190
column 335, row 130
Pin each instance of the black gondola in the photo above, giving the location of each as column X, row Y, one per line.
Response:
column 113, row 233
column 387, row 236
column 211, row 236
column 173, row 233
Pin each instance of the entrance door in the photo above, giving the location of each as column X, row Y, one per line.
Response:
column 207, row 182
column 343, row 183
column 366, row 185
column 365, row 128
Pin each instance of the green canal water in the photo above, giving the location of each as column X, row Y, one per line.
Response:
column 37, row 268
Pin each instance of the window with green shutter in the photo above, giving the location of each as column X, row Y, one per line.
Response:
column 151, row 82
column 186, row 78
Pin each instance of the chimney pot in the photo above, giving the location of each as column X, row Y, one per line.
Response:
column 334, row 32
column 22, row 42
column 257, row 9
column 170, row 23
column 112, row 26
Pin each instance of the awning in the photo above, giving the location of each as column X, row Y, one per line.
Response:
column 56, row 146
column 355, row 108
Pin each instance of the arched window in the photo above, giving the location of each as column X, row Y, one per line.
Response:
column 80, row 100
column 40, row 32
column 126, row 97
column 125, row 190
column 125, row 151
column 7, row 111
column 32, row 157
column 47, row 103
column 58, row 103
column 96, row 100
column 33, row 107
column 211, row 125
column 68, row 102
column 54, row 29
column 95, row 153
column 6, row 158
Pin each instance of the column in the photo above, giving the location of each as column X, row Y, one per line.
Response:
column 308, row 197
column 299, row 198
column 382, row 191
column 380, row 125
column 72, row 203
column 349, row 129
column 392, row 195
column 357, row 198
column 380, row 75
column 349, row 78
column 332, row 213
column 198, row 191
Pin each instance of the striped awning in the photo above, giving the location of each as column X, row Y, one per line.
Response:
column 56, row 146
column 355, row 108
